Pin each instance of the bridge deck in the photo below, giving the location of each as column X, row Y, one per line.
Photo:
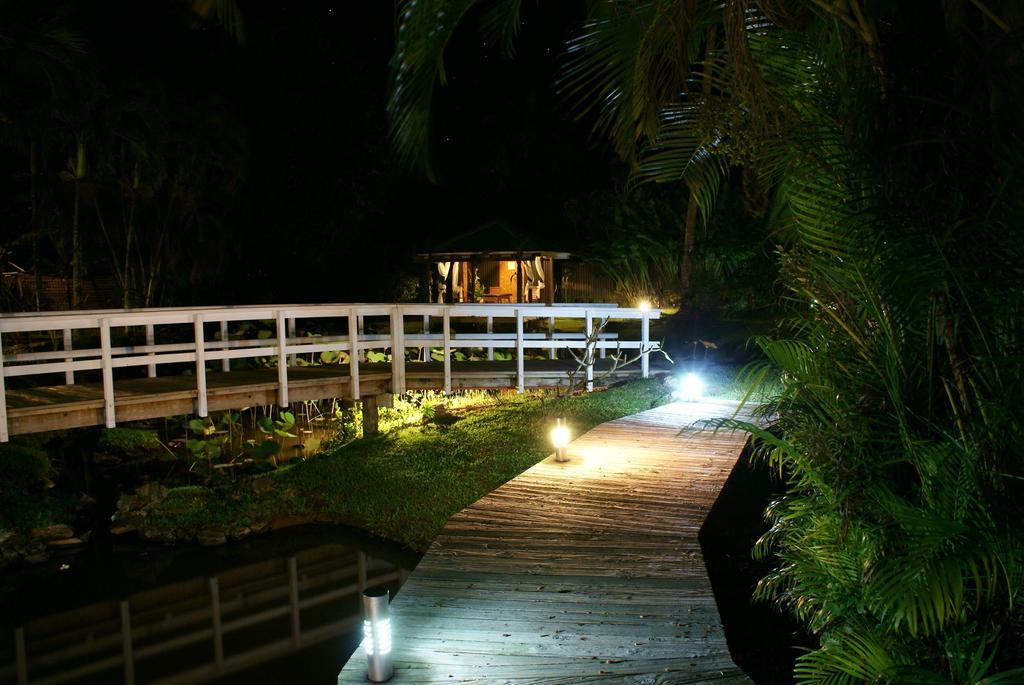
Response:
column 58, row 407
column 578, row 572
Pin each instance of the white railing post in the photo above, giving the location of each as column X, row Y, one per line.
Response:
column 218, row 630
column 225, row 364
column 4, row 437
column 291, row 334
column 425, row 350
column 520, row 349
column 126, row 643
column 588, row 352
column 353, row 353
column 359, row 327
column 106, row 361
column 200, row 344
column 150, row 341
column 551, row 337
column 447, row 333
column 69, row 375
column 645, row 344
column 282, row 360
column 490, row 330
column 397, row 350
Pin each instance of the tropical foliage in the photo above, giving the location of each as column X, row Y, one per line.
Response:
column 899, row 539
column 634, row 241
column 879, row 143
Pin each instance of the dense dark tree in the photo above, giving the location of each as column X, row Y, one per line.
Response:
column 115, row 162
column 238, row 151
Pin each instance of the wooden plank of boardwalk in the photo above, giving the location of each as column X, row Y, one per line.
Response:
column 57, row 407
column 578, row 572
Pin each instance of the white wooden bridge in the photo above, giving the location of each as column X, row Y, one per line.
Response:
column 63, row 370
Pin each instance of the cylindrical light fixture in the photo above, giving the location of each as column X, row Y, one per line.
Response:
column 377, row 635
column 560, row 439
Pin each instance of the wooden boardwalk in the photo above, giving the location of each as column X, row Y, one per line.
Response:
column 578, row 572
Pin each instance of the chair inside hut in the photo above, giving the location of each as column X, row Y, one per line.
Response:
column 492, row 277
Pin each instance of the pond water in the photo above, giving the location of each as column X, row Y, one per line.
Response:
column 283, row 607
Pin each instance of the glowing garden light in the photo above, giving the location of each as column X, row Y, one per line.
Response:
column 689, row 388
column 560, row 439
column 377, row 635
column 644, row 305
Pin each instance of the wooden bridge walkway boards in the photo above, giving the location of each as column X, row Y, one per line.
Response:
column 578, row 572
column 57, row 407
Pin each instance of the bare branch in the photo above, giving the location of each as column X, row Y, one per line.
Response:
column 587, row 359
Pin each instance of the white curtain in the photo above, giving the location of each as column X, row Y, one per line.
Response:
column 538, row 270
column 456, row 287
column 528, row 273
column 533, row 275
column 442, row 268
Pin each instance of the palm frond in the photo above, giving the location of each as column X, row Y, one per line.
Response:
column 500, row 24
column 847, row 658
column 425, row 28
column 628, row 58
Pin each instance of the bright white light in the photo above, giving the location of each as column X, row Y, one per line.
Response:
column 377, row 637
column 644, row 305
column 690, row 388
column 560, row 435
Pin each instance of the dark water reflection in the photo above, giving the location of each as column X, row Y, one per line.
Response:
column 281, row 608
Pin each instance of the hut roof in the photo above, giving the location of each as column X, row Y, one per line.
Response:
column 494, row 239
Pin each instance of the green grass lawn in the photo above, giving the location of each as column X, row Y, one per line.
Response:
column 406, row 484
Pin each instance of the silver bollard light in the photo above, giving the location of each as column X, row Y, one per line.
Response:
column 377, row 635
column 560, row 438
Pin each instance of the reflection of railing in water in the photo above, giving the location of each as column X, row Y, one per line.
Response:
column 273, row 608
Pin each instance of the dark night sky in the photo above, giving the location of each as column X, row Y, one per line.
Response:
column 310, row 83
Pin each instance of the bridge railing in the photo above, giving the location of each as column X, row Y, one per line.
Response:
column 357, row 329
